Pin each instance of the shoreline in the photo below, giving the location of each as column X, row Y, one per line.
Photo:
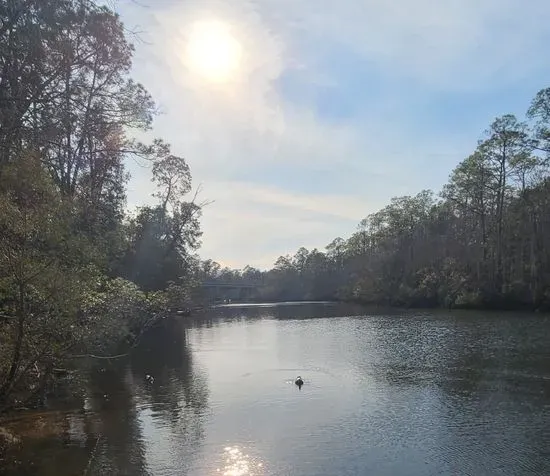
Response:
column 488, row 306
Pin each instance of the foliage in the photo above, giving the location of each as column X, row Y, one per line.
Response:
column 66, row 246
column 115, row 314
column 482, row 243
column 161, row 239
column 43, row 279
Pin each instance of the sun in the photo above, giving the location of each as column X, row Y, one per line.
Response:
column 212, row 51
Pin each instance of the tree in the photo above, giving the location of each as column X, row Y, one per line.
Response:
column 209, row 270
column 161, row 240
column 484, row 243
column 64, row 79
column 505, row 149
column 43, row 279
column 471, row 193
column 539, row 112
column 67, row 106
column 173, row 178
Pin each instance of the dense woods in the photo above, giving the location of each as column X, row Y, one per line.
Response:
column 484, row 241
column 78, row 276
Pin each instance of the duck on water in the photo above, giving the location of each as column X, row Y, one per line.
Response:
column 299, row 381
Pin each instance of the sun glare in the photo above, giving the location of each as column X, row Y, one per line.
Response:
column 212, row 51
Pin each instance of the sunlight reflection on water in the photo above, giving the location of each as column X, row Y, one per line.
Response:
column 239, row 464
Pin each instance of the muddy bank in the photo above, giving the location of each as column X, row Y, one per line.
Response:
column 8, row 440
column 69, row 433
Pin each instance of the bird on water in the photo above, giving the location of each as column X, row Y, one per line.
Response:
column 299, row 382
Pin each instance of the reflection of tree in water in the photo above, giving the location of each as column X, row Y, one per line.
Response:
column 218, row 315
column 120, row 448
column 482, row 352
column 178, row 384
column 178, row 397
column 122, row 398
column 464, row 363
column 63, row 442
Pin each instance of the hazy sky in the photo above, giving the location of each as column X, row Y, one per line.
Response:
column 306, row 116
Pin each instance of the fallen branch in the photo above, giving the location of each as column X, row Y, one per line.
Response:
column 92, row 456
column 102, row 357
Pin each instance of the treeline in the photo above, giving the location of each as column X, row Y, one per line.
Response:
column 210, row 271
column 78, row 276
column 483, row 242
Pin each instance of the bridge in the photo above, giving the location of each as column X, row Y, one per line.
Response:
column 214, row 291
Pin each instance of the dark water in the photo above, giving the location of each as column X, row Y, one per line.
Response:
column 400, row 393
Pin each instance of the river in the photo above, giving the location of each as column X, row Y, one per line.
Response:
column 385, row 393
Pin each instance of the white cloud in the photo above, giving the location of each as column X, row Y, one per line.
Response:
column 255, row 225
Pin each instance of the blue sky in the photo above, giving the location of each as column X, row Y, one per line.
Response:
column 334, row 108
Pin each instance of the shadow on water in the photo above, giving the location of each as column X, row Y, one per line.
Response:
column 63, row 442
column 178, row 383
column 112, row 434
column 120, row 447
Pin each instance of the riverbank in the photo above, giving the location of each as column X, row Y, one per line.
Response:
column 502, row 304
column 465, row 302
column 508, row 306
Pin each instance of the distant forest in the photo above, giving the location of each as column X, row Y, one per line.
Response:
column 482, row 242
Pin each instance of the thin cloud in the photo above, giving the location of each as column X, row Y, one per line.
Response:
column 453, row 45
column 236, row 135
